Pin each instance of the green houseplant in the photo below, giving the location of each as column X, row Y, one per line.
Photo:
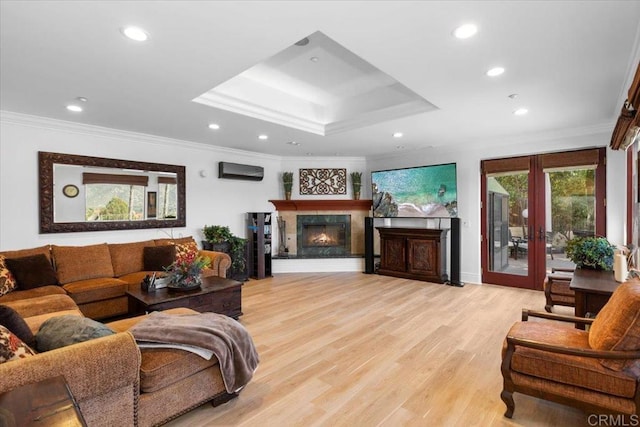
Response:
column 356, row 182
column 591, row 252
column 287, row 182
column 220, row 238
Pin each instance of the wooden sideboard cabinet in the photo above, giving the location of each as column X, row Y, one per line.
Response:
column 413, row 253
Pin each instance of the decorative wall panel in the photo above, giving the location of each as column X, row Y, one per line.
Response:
column 323, row 181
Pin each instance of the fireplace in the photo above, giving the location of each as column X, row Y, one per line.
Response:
column 323, row 235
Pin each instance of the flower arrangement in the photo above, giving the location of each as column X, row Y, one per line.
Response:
column 185, row 270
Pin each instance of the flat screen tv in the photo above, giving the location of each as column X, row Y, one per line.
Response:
column 423, row 192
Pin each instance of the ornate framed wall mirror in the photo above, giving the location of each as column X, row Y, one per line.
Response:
column 82, row 193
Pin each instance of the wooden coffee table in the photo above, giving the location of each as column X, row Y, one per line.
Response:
column 217, row 294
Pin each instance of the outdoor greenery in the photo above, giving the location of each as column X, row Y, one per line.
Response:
column 591, row 252
column 572, row 200
column 122, row 202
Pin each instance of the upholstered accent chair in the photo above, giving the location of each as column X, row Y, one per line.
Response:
column 596, row 370
column 557, row 290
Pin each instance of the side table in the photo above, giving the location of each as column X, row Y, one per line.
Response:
column 44, row 403
column 593, row 288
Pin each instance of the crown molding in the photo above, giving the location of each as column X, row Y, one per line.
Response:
column 10, row 117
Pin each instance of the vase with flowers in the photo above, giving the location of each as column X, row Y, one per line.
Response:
column 184, row 273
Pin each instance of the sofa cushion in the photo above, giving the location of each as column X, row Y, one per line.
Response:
column 91, row 290
column 162, row 367
column 10, row 319
column 32, row 271
column 61, row 331
column 176, row 241
column 157, row 258
column 128, row 257
column 12, row 347
column 23, row 294
column 617, row 325
column 7, row 281
column 44, row 250
column 74, row 263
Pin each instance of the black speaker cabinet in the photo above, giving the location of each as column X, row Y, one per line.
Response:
column 369, row 267
column 455, row 253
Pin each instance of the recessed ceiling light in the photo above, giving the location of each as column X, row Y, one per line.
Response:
column 495, row 71
column 513, row 96
column 75, row 108
column 214, row 126
column 521, row 111
column 293, row 143
column 314, row 59
column 135, row 33
column 465, row 31
column 398, row 134
column 263, row 137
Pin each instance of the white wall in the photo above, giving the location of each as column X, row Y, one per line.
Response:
column 468, row 174
column 209, row 200
column 219, row 201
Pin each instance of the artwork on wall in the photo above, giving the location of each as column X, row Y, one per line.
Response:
column 323, row 181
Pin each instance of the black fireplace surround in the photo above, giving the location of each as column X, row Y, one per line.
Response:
column 323, row 235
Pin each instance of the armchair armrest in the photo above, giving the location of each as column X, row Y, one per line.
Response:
column 91, row 368
column 563, row 270
column 526, row 313
column 220, row 261
column 584, row 352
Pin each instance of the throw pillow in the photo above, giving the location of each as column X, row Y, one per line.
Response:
column 617, row 325
column 188, row 248
column 69, row 329
column 7, row 282
column 32, row 271
column 12, row 347
column 156, row 258
column 10, row 319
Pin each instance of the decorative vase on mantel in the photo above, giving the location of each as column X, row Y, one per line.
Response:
column 287, row 182
column 356, row 182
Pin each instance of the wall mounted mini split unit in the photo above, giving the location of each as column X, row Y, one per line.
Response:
column 237, row 171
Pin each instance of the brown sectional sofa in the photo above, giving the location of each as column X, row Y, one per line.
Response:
column 97, row 276
column 114, row 381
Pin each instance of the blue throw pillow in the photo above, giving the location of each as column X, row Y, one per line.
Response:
column 69, row 329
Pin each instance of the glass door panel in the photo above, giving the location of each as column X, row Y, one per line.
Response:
column 570, row 211
column 507, row 194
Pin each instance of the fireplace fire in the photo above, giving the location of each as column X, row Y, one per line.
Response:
column 323, row 235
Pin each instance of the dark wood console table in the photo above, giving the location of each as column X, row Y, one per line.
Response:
column 593, row 288
column 413, row 253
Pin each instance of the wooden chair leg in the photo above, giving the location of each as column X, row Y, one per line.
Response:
column 507, row 398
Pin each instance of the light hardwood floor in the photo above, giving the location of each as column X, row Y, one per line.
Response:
column 350, row 349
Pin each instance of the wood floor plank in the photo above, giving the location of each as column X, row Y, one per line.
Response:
column 351, row 349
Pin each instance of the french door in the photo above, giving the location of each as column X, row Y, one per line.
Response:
column 531, row 206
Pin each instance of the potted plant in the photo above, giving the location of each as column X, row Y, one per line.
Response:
column 217, row 238
column 356, row 181
column 287, row 182
column 591, row 252
column 220, row 238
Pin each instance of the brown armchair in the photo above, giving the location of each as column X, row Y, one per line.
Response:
column 557, row 290
column 596, row 371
